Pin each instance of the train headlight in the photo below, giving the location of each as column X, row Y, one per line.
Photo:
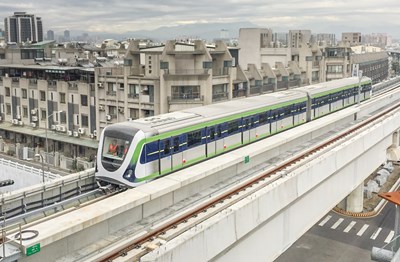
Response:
column 129, row 174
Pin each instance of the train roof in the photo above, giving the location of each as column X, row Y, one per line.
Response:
column 166, row 122
column 169, row 121
column 331, row 85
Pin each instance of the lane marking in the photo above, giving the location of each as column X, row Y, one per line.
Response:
column 389, row 237
column 325, row 220
column 340, row 220
column 362, row 230
column 376, row 233
column 350, row 226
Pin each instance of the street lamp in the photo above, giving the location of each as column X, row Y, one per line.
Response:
column 41, row 159
column 47, row 144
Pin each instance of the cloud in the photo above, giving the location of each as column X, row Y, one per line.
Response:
column 117, row 16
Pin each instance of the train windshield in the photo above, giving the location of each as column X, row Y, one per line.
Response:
column 115, row 149
column 116, row 144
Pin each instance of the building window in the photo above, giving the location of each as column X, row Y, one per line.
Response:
column 8, row 109
column 185, row 92
column 112, row 110
column 8, row 91
column 85, row 120
column 33, row 94
column 335, row 69
column 42, row 96
column 84, row 100
column 133, row 91
column 43, row 114
column 24, row 93
column 63, row 118
column 62, row 98
column 24, row 111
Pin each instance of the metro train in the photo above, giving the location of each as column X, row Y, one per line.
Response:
column 137, row 151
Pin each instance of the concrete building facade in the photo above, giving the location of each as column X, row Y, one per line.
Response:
column 23, row 27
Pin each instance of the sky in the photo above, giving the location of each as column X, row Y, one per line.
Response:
column 117, row 16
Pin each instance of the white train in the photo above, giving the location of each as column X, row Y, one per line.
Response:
column 134, row 152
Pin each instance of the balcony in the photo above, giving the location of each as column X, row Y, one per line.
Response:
column 15, row 82
column 220, row 96
column 186, row 71
column 182, row 97
column 133, row 95
column 111, row 93
column 239, row 93
column 32, row 82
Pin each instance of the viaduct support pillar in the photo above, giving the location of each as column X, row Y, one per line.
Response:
column 355, row 201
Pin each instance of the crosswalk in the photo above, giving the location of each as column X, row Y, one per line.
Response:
column 360, row 229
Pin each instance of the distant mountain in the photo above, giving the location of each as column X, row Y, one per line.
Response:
column 207, row 31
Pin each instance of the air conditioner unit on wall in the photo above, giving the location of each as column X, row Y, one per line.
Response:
column 69, row 132
column 95, row 132
column 15, row 121
column 92, row 136
column 33, row 124
column 81, row 131
column 53, row 127
column 76, row 134
column 62, row 129
column 101, row 108
column 34, row 118
column 33, row 112
column 100, row 85
column 108, row 117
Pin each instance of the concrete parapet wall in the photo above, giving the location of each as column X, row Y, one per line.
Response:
column 40, row 191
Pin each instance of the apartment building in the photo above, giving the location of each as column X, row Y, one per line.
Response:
column 374, row 65
column 47, row 108
column 291, row 66
column 166, row 78
column 22, row 27
column 354, row 38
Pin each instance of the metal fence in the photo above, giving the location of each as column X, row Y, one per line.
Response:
column 35, row 171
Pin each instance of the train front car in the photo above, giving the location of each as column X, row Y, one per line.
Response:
column 116, row 163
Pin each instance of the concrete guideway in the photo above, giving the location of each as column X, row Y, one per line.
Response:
column 285, row 210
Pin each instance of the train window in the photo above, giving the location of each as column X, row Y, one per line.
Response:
column 212, row 133
column 176, row 144
column 252, row 122
column 246, row 124
column 287, row 111
column 233, row 127
column 167, row 147
column 194, row 138
column 219, row 131
column 263, row 118
column 150, row 153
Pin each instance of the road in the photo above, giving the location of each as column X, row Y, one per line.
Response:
column 337, row 238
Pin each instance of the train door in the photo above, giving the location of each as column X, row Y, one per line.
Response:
column 165, row 155
column 245, row 130
column 263, row 126
column 178, row 146
column 219, row 138
column 211, row 142
column 274, row 121
column 297, row 116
